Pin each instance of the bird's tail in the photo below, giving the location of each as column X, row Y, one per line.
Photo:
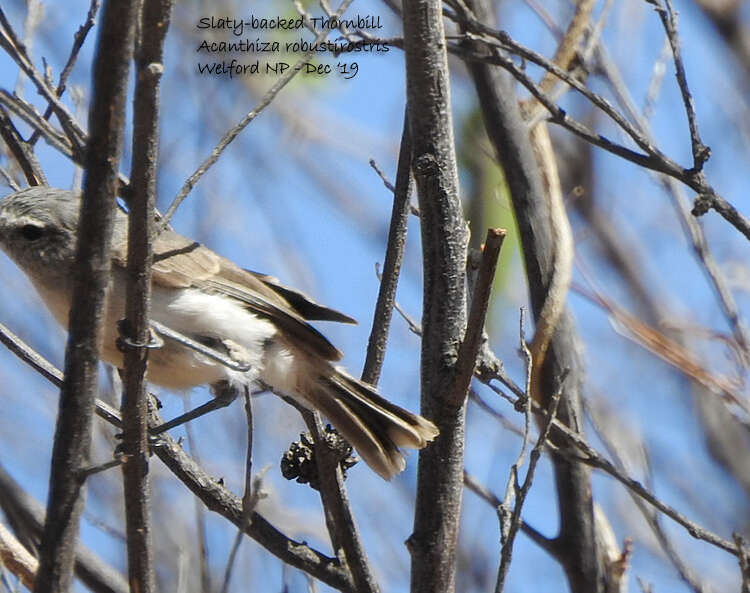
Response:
column 373, row 425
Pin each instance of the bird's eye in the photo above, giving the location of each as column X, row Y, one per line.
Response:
column 31, row 232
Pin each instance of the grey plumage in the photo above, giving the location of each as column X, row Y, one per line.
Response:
column 208, row 298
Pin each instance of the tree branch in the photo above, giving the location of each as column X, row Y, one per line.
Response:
column 510, row 138
column 218, row 499
column 91, row 278
column 444, row 242
column 394, row 253
column 339, row 518
column 26, row 516
column 468, row 351
column 154, row 23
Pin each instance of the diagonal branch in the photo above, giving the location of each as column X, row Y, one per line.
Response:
column 339, row 517
column 208, row 490
column 218, row 499
column 468, row 351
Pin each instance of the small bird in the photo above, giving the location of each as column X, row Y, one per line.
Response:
column 247, row 317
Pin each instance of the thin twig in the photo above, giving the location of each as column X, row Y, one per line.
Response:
column 243, row 123
column 505, row 515
column 653, row 159
column 412, row 208
column 701, row 152
column 218, row 499
column 16, row 50
column 30, row 356
column 546, row 544
column 591, row 457
column 692, row 228
column 522, row 491
column 9, row 179
column 381, row 174
column 78, row 40
column 17, row 559
column 649, row 513
column 501, row 418
column 252, row 495
column 21, row 151
column 200, row 509
column 414, row 327
column 28, row 113
column 655, row 83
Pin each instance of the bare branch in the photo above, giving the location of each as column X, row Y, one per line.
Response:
column 17, row 559
column 21, row 151
column 521, row 491
column 78, row 40
column 253, row 492
column 153, row 27
column 692, row 227
column 16, row 50
column 469, row 349
column 392, row 264
column 218, row 499
column 701, row 152
column 91, row 278
column 744, row 558
column 444, row 244
column 26, row 516
column 341, row 524
column 546, row 544
column 30, row 356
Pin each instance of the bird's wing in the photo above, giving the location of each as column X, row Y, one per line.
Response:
column 302, row 303
column 182, row 263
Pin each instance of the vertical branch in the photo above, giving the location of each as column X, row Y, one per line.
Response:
column 153, row 29
column 444, row 241
column 72, row 443
column 392, row 263
column 250, row 498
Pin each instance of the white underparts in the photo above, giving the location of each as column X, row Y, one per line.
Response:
column 218, row 321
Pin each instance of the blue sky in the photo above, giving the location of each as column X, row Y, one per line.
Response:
column 294, row 196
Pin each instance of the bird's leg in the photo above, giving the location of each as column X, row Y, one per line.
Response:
column 224, row 394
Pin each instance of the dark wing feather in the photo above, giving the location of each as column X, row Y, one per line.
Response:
column 182, row 263
column 302, row 303
column 283, row 316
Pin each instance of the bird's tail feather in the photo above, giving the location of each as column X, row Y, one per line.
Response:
column 373, row 425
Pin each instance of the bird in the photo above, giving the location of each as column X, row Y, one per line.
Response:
column 249, row 318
